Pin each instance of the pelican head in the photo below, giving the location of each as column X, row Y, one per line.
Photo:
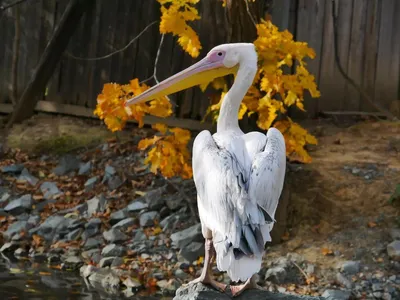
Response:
column 220, row 61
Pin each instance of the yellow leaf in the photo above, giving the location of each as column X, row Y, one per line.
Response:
column 326, row 251
column 160, row 127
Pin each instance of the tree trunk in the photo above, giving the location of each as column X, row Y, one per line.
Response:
column 48, row 61
column 15, row 59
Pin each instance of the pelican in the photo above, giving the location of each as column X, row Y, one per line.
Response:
column 238, row 176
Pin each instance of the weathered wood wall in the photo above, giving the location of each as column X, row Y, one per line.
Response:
column 369, row 47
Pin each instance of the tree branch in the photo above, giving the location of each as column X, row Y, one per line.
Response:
column 7, row 6
column 115, row 52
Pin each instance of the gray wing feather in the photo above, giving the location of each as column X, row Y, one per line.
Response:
column 268, row 173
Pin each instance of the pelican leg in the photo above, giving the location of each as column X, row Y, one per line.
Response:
column 206, row 273
column 251, row 283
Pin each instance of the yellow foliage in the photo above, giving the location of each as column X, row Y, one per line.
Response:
column 110, row 105
column 169, row 153
column 174, row 17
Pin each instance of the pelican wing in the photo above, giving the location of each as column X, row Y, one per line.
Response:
column 223, row 202
column 268, row 173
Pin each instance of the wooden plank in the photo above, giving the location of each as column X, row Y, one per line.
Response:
column 310, row 15
column 79, row 111
column 370, row 54
column 356, row 54
column 385, row 86
column 3, row 90
column 281, row 13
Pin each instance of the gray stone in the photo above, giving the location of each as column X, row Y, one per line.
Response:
column 20, row 205
column 67, row 163
column 192, row 251
column 91, row 183
column 76, row 223
column 92, row 243
column 276, row 275
column 52, row 226
column 73, row 263
column 336, row 295
column 119, row 215
column 85, row 168
column 154, row 198
column 118, row 261
column 12, row 169
column 180, row 274
column 395, row 233
column 124, row 224
column 9, row 247
column 393, row 250
column 131, row 283
column 74, row 235
column 199, row 291
column 139, row 236
column 148, row 218
column 115, row 235
column 96, row 205
column 33, row 220
column 111, row 282
column 174, row 202
column 114, row 183
column 350, row 267
column 50, row 190
column 136, row 206
column 343, row 280
column 26, row 176
column 92, row 228
column 185, row 237
column 15, row 228
column 377, row 287
column 4, row 195
column 113, row 250
column 106, row 262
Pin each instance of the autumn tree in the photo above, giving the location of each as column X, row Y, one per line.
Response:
column 275, row 88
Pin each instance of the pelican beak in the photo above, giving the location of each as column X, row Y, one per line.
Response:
column 201, row 72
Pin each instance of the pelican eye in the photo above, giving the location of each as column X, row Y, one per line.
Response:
column 219, row 53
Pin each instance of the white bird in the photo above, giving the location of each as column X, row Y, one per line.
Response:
column 239, row 177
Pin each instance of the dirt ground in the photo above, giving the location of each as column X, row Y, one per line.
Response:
column 338, row 202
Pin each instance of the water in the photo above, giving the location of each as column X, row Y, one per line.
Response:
column 24, row 280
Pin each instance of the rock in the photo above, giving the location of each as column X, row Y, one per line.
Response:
column 124, row 224
column 174, row 202
column 9, row 247
column 341, row 279
column 93, row 255
column 20, row 205
column 276, row 275
column 106, row 261
column 15, row 228
column 50, row 190
column 72, row 263
column 91, row 183
column 74, row 235
column 20, row 252
column 192, row 251
column 85, row 168
column 115, row 235
column 67, row 163
column 199, row 291
column 169, row 286
column 96, row 205
column 53, row 225
column 113, row 250
column 76, row 223
column 139, row 236
column 114, row 183
column 136, row 206
column 26, row 176
column 183, row 238
column 377, row 287
column 4, row 195
column 351, row 267
column 154, row 198
column 395, row 233
column 119, row 215
column 336, row 295
column 148, row 218
column 393, row 250
column 180, row 274
column 92, row 243
column 13, row 169
column 111, row 282
column 132, row 283
column 118, row 261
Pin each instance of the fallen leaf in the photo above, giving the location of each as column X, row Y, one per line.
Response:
column 372, row 224
column 326, row 251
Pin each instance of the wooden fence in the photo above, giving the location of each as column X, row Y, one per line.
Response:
column 368, row 42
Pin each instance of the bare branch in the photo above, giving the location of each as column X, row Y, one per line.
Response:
column 115, row 52
column 7, row 6
column 249, row 13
